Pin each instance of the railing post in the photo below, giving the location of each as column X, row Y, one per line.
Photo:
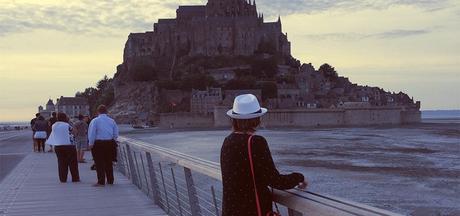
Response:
column 177, row 192
column 216, row 207
column 126, row 165
column 292, row 212
column 145, row 176
column 192, row 194
column 153, row 179
column 138, row 177
column 131, row 165
column 164, row 186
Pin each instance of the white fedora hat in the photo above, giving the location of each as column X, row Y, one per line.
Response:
column 246, row 107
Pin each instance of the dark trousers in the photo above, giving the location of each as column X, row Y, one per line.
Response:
column 103, row 158
column 40, row 144
column 67, row 159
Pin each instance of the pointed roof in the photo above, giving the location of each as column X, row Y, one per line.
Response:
column 50, row 102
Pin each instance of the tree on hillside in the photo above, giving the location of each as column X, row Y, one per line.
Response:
column 244, row 82
column 102, row 94
column 328, row 72
column 196, row 81
column 269, row 89
column 264, row 68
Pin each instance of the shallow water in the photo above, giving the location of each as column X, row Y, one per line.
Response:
column 410, row 169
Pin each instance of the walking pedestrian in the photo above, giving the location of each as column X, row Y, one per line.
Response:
column 80, row 132
column 247, row 165
column 32, row 123
column 65, row 150
column 40, row 127
column 102, row 135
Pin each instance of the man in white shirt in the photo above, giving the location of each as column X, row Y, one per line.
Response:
column 102, row 136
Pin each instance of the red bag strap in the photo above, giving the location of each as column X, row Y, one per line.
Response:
column 259, row 211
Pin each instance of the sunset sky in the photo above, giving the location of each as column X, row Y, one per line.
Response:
column 52, row 48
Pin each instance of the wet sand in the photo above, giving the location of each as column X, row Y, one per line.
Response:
column 411, row 169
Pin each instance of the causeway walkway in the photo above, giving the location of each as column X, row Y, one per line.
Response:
column 33, row 188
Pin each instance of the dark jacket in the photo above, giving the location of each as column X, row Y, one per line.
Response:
column 238, row 189
column 40, row 125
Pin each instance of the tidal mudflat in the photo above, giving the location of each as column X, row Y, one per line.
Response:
column 411, row 169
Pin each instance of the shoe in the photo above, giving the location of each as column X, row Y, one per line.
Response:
column 98, row 185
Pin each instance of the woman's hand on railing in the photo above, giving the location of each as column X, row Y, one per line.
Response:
column 302, row 185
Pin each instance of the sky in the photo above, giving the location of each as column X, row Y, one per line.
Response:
column 50, row 48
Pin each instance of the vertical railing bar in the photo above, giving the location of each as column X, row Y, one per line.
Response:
column 177, row 192
column 139, row 182
column 214, row 200
column 164, row 186
column 145, row 175
column 127, row 169
column 131, row 165
column 153, row 179
column 192, row 194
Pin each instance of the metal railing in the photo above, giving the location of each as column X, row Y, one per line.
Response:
column 185, row 185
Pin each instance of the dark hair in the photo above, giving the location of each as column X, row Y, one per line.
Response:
column 80, row 117
column 40, row 118
column 37, row 114
column 245, row 125
column 53, row 114
column 102, row 109
column 62, row 117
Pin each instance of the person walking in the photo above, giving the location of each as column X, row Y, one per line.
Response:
column 102, row 136
column 65, row 151
column 40, row 127
column 247, row 166
column 51, row 122
column 32, row 123
column 80, row 132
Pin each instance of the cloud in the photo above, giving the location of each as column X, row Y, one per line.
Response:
column 111, row 17
column 273, row 7
column 84, row 16
column 392, row 34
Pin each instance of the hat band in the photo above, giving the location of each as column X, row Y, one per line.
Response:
column 259, row 111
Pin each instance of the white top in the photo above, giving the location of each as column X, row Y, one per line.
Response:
column 60, row 134
column 102, row 128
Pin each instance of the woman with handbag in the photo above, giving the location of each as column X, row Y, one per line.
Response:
column 247, row 165
column 66, row 152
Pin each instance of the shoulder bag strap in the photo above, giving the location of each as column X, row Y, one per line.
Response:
column 259, row 211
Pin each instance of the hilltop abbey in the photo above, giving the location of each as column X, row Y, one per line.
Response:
column 196, row 63
column 221, row 27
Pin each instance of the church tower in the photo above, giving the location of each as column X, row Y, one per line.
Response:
column 230, row 8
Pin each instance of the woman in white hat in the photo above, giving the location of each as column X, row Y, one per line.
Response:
column 247, row 165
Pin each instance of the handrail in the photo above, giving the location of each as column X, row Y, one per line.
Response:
column 298, row 202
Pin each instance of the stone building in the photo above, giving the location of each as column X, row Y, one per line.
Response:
column 230, row 95
column 203, row 102
column 48, row 110
column 219, row 28
column 72, row 106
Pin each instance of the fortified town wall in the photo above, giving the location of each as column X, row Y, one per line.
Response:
column 300, row 118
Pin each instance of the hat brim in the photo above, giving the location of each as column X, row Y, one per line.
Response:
column 247, row 116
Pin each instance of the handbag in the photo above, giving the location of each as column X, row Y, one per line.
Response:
column 259, row 210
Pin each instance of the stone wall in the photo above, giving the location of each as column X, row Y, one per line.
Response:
column 328, row 117
column 411, row 116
